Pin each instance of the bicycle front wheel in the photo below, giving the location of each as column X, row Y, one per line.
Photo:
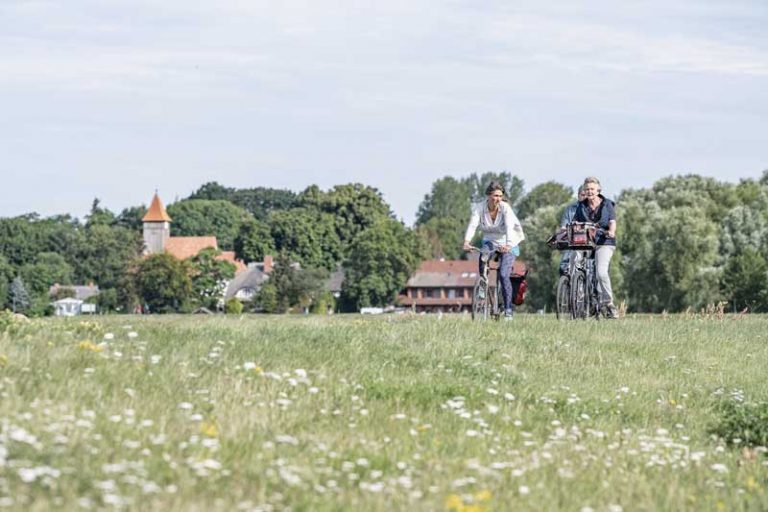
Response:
column 563, row 298
column 579, row 296
column 480, row 302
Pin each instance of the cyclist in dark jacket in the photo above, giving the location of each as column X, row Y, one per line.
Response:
column 600, row 210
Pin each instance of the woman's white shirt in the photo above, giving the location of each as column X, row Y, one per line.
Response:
column 504, row 230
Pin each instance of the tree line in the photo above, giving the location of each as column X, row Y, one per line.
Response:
column 687, row 241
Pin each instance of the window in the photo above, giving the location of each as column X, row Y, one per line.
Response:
column 451, row 293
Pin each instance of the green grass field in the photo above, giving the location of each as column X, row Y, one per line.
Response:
column 386, row 413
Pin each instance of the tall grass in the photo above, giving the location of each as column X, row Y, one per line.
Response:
column 387, row 413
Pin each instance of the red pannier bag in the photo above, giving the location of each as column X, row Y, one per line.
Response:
column 518, row 275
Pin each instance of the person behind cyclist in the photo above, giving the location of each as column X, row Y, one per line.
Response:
column 565, row 219
column 598, row 209
column 502, row 232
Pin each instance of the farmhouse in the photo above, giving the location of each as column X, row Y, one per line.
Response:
column 440, row 286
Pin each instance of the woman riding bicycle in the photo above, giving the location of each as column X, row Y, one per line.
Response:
column 502, row 232
column 600, row 210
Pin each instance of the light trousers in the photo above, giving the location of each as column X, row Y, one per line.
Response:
column 603, row 255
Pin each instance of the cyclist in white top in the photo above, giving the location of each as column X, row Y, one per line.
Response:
column 502, row 232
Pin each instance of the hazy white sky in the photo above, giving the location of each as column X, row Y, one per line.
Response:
column 112, row 99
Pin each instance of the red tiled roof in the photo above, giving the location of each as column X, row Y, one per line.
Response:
column 446, row 273
column 156, row 212
column 183, row 247
column 230, row 257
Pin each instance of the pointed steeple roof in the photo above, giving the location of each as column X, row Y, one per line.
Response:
column 156, row 212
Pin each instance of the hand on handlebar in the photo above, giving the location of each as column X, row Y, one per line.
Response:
column 467, row 247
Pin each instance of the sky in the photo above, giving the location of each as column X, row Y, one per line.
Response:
column 113, row 99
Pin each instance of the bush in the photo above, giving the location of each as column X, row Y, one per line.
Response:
column 742, row 423
column 233, row 306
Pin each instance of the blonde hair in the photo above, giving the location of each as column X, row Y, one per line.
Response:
column 592, row 179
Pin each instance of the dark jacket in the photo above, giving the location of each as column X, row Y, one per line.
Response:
column 604, row 213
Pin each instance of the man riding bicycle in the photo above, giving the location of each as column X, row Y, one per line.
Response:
column 502, row 232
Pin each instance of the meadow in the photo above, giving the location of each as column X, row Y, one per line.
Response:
column 260, row 413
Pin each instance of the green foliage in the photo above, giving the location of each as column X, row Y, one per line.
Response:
column 108, row 300
column 740, row 423
column 6, row 276
column 293, row 286
column 200, row 217
column 258, row 201
column 131, row 218
column 99, row 216
column 354, row 207
column 745, row 281
column 163, row 283
column 266, row 298
column 105, row 254
column 19, row 299
column 254, row 241
column 380, row 261
column 743, row 228
column 47, row 269
column 549, row 193
column 209, row 277
column 443, row 236
column 307, row 237
column 233, row 306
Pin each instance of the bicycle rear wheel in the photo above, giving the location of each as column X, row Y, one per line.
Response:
column 579, row 296
column 480, row 301
column 563, row 298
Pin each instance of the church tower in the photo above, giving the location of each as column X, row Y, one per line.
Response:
column 157, row 227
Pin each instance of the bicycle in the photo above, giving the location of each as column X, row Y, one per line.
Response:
column 486, row 299
column 577, row 292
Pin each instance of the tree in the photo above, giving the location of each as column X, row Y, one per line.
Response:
column 131, row 218
column 307, row 237
column 291, row 286
column 354, row 207
column 163, row 283
column 254, row 241
column 105, row 254
column 745, row 281
column 443, row 236
column 99, row 216
column 266, row 298
column 47, row 269
column 19, row 297
column 743, row 228
column 549, row 193
column 209, row 277
column 6, row 277
column 199, row 217
column 381, row 259
column 258, row 201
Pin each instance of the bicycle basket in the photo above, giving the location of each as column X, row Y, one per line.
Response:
column 559, row 241
column 581, row 235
